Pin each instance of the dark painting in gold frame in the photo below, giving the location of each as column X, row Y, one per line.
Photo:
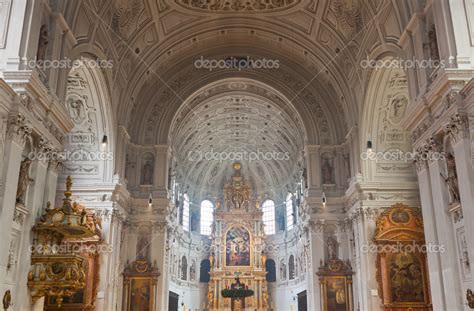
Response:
column 140, row 294
column 336, row 294
column 405, row 274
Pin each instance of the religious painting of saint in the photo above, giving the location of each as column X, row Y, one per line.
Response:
column 238, row 247
column 336, row 294
column 140, row 294
column 405, row 278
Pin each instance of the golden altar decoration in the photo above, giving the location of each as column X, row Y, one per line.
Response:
column 237, row 244
column 335, row 279
column 401, row 260
column 57, row 271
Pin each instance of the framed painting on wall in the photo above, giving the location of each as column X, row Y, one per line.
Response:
column 140, row 295
column 140, row 280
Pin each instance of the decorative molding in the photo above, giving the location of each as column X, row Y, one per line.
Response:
column 238, row 6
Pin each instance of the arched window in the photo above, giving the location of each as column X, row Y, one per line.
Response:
column 185, row 218
column 204, row 276
column 206, row 217
column 184, row 268
column 268, row 209
column 270, row 267
column 291, row 267
column 290, row 220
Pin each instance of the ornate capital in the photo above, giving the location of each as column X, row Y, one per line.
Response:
column 159, row 227
column 368, row 213
column 343, row 225
column 427, row 152
column 18, row 130
column 457, row 128
column 317, row 225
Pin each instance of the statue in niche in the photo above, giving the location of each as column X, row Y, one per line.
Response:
column 77, row 110
column 263, row 260
column 143, row 247
column 433, row 44
column 452, row 179
column 282, row 269
column 211, row 260
column 147, row 169
column 327, row 171
column 347, row 166
column 192, row 271
column 42, row 43
column 397, row 109
column 332, row 247
column 184, row 268
column 24, row 180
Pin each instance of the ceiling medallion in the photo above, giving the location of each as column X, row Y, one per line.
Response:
column 237, row 5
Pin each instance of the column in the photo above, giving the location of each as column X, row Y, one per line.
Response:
column 313, row 167
column 367, row 286
column 431, row 236
column 458, row 131
column 17, row 134
column 443, row 220
column 158, row 255
column 317, row 246
column 108, row 296
column 34, row 203
column 161, row 170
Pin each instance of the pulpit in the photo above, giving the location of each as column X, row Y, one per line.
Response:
column 237, row 256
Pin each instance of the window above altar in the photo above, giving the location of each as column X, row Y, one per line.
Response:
column 207, row 217
column 268, row 209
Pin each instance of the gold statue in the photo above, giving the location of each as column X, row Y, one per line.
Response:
column 265, row 300
column 470, row 298
column 7, row 300
column 210, row 299
column 263, row 260
column 211, row 260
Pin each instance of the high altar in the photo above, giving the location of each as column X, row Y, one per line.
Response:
column 237, row 248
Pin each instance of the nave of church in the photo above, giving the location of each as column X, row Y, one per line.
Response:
column 208, row 155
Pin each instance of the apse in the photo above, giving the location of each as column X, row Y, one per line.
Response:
column 264, row 133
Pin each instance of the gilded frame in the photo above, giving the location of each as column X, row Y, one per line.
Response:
column 150, row 291
column 251, row 247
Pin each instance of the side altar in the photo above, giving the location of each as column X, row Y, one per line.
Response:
column 238, row 241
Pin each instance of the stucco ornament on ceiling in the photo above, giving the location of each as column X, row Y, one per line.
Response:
column 237, row 5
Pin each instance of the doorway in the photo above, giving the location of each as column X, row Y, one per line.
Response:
column 302, row 301
column 173, row 301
